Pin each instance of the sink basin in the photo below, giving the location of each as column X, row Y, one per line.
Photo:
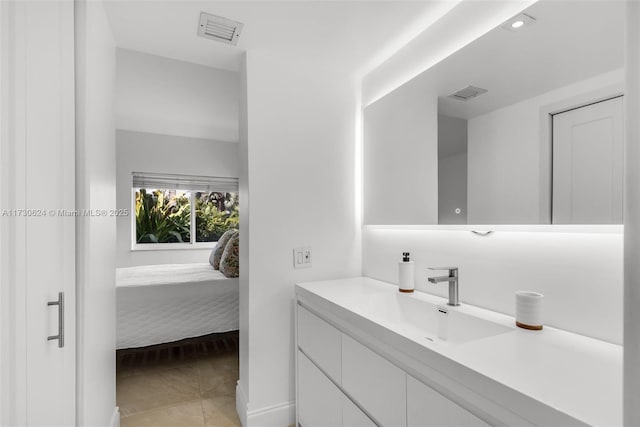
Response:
column 418, row 316
column 422, row 320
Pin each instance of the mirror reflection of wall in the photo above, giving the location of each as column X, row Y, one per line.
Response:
column 567, row 55
column 510, row 158
column 452, row 170
column 399, row 157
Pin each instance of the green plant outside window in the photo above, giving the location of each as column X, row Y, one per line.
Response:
column 165, row 216
column 215, row 214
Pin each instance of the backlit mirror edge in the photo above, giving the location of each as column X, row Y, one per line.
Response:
column 540, row 228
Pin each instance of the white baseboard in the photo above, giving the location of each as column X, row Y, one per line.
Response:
column 241, row 404
column 115, row 418
column 280, row 415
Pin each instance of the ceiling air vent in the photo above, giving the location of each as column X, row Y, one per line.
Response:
column 467, row 93
column 218, row 28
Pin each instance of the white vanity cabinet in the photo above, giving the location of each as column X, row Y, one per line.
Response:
column 321, row 403
column 428, row 408
column 378, row 349
column 352, row 416
column 341, row 382
column 319, row 400
column 321, row 342
column 375, row 383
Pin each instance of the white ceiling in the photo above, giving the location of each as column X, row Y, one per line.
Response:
column 348, row 34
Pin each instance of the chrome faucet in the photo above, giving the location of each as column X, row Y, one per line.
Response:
column 452, row 279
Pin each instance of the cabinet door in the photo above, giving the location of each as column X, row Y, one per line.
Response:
column 319, row 400
column 37, row 254
column 352, row 416
column 428, row 408
column 375, row 383
column 320, row 341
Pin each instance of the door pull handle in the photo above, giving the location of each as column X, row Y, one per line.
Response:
column 60, row 304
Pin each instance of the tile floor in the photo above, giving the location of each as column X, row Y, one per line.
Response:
column 181, row 393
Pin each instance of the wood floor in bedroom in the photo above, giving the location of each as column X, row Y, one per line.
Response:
column 190, row 384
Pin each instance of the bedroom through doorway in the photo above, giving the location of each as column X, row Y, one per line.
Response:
column 177, row 242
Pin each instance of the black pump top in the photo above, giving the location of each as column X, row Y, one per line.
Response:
column 405, row 256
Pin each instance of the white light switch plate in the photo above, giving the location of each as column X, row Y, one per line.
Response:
column 302, row 257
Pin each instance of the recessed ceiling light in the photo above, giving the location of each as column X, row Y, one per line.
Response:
column 518, row 22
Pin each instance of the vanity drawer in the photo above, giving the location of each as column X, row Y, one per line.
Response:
column 375, row 383
column 319, row 400
column 352, row 416
column 428, row 408
column 321, row 342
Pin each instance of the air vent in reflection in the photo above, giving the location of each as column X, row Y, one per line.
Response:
column 467, row 93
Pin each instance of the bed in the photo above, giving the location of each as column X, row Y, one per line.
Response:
column 164, row 303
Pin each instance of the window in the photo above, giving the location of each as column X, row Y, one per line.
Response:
column 163, row 216
column 182, row 211
column 216, row 212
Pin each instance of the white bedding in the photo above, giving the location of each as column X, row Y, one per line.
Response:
column 163, row 303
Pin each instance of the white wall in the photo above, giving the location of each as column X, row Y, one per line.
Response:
column 95, row 189
column 147, row 152
column 580, row 274
column 166, row 96
column 159, row 97
column 244, row 281
column 400, row 157
column 5, row 306
column 509, row 153
column 452, row 170
column 300, row 155
column 632, row 221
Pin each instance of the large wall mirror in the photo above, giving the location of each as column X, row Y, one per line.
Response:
column 522, row 126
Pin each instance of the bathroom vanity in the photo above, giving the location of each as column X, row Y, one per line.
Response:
column 369, row 355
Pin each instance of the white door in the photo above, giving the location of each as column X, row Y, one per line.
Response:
column 38, row 190
column 588, row 156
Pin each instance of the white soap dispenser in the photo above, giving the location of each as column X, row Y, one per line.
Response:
column 406, row 277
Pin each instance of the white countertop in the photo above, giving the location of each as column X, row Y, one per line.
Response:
column 573, row 374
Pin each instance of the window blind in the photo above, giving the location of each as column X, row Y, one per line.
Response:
column 185, row 182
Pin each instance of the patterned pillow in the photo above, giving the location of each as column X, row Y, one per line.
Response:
column 216, row 253
column 230, row 262
column 213, row 252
